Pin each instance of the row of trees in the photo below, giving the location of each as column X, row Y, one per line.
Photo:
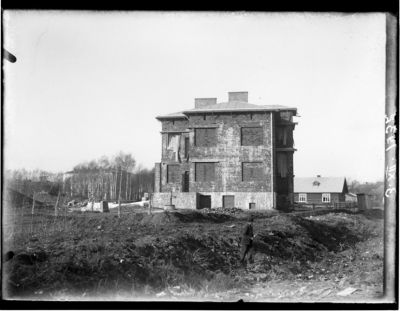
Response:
column 116, row 178
column 108, row 178
column 111, row 178
column 29, row 182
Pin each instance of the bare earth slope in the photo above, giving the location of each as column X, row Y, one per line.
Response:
column 192, row 255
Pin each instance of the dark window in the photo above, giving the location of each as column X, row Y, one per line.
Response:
column 252, row 136
column 284, row 136
column 186, row 147
column 252, row 171
column 205, row 171
column 205, row 137
column 282, row 165
column 185, row 182
column 172, row 173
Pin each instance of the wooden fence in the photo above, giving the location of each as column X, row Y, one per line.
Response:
column 333, row 205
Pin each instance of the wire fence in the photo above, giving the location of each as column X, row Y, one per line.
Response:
column 25, row 223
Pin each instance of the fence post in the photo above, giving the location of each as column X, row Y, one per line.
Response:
column 119, row 207
column 65, row 215
column 150, row 203
column 56, row 206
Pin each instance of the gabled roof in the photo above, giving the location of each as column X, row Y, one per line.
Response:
column 232, row 106
column 320, row 184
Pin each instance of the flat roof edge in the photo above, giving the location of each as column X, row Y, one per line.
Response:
column 256, row 109
column 237, row 110
column 170, row 117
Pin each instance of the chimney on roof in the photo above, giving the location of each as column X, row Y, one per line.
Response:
column 204, row 102
column 238, row 96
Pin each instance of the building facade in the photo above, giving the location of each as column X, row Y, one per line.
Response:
column 230, row 154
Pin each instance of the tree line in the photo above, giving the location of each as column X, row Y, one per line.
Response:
column 107, row 178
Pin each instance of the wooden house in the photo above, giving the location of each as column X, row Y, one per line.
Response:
column 320, row 190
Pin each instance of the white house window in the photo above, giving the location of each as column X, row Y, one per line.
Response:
column 326, row 197
column 302, row 197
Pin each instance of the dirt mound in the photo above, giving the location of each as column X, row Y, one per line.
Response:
column 189, row 248
column 222, row 211
column 168, row 217
column 374, row 213
column 299, row 241
column 284, row 237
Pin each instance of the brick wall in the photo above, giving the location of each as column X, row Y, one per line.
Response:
column 172, row 186
column 229, row 153
column 174, row 125
column 262, row 200
column 238, row 96
column 204, row 102
column 157, row 176
column 182, row 200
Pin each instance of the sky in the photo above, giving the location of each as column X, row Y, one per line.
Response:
column 88, row 84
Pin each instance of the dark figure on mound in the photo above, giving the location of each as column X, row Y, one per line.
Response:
column 246, row 247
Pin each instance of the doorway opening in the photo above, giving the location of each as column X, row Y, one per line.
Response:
column 228, row 201
column 203, row 201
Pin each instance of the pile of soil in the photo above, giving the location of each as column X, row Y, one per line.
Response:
column 374, row 213
column 191, row 248
column 223, row 211
column 185, row 217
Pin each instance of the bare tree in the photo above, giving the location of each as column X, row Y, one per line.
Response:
column 125, row 162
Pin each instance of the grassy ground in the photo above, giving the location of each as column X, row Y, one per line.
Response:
column 191, row 255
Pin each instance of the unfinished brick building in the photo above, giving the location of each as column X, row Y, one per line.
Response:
column 231, row 154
